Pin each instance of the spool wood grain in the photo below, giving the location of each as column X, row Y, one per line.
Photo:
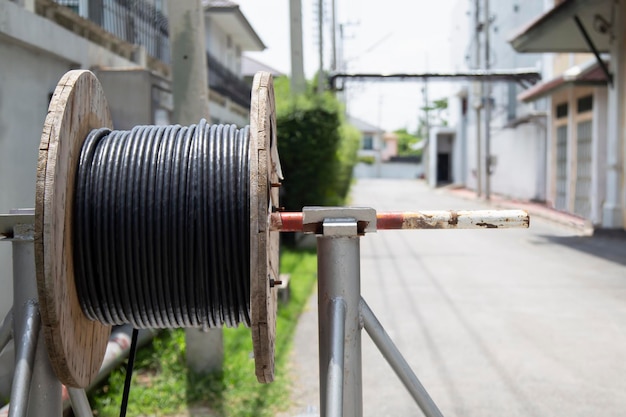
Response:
column 264, row 171
column 75, row 344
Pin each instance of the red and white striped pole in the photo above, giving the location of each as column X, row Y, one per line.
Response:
column 435, row 219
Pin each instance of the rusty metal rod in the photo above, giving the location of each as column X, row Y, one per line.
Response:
column 435, row 219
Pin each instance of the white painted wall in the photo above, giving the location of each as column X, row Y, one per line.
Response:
column 26, row 80
column 215, row 40
column 521, row 152
column 396, row 170
column 222, row 113
column 519, row 159
column 34, row 53
column 217, row 44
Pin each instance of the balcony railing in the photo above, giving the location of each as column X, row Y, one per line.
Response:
column 225, row 82
column 134, row 21
column 140, row 23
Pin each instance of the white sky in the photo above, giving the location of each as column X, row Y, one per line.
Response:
column 381, row 36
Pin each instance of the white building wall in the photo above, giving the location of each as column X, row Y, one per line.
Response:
column 34, row 54
column 520, row 151
column 395, row 170
column 216, row 41
column 27, row 79
column 222, row 112
column 519, row 157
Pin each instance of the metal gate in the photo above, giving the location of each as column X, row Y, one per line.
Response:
column 582, row 202
column 561, row 168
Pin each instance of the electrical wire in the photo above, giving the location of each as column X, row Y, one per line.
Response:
column 162, row 226
column 129, row 373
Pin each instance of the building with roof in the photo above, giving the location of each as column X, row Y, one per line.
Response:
column 378, row 154
column 586, row 103
column 127, row 44
column 515, row 131
column 228, row 35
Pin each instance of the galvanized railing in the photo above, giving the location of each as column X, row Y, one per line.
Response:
column 141, row 23
column 134, row 21
column 225, row 82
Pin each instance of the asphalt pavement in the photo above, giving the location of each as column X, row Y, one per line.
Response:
column 510, row 323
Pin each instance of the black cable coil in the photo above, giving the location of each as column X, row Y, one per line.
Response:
column 162, row 226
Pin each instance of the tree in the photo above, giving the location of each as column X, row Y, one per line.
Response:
column 408, row 143
column 318, row 149
column 437, row 114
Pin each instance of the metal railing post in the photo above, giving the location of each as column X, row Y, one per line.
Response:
column 339, row 282
column 36, row 389
column 397, row 362
column 338, row 231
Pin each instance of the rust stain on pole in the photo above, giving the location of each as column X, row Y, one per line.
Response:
column 389, row 220
column 421, row 221
column 286, row 222
column 454, row 218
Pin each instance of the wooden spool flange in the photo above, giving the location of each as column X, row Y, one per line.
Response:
column 76, row 345
column 264, row 171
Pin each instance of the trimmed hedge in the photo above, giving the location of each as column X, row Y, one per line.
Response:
column 317, row 149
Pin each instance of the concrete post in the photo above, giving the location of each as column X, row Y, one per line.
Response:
column 478, row 102
column 189, row 66
column 320, row 39
column 298, row 82
column 613, row 208
column 36, row 389
column 487, row 100
column 205, row 350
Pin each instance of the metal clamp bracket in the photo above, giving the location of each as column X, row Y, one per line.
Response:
column 313, row 218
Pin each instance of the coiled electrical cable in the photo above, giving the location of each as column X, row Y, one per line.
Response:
column 162, row 226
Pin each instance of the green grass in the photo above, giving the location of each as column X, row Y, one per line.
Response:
column 163, row 386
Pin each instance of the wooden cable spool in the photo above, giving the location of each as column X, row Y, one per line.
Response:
column 75, row 344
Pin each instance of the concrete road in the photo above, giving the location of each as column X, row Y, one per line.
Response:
column 494, row 322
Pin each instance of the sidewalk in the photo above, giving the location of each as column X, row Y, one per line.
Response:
column 493, row 322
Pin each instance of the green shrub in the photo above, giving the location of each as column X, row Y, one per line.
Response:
column 367, row 159
column 317, row 149
column 162, row 385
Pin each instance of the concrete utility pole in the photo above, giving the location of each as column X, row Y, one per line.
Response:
column 426, row 150
column 205, row 350
column 189, row 66
column 320, row 27
column 478, row 99
column 487, row 101
column 333, row 35
column 298, row 82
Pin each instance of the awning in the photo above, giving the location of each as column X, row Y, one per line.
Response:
column 589, row 73
column 557, row 31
